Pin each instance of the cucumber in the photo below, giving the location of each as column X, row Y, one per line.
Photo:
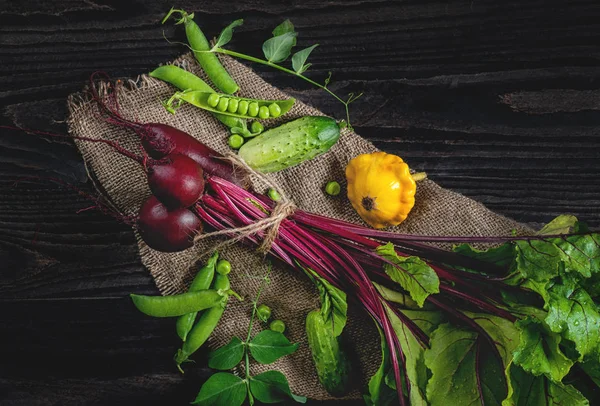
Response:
column 290, row 144
column 332, row 364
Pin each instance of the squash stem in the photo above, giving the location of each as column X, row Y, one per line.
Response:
column 419, row 176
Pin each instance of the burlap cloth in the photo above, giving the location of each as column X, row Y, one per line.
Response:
column 291, row 296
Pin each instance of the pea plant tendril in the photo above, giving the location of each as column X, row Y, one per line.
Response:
column 276, row 49
column 266, row 347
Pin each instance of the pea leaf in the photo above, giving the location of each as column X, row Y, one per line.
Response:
column 465, row 370
column 227, row 356
column 573, row 313
column 272, row 387
column 279, row 48
column 227, row 33
column 283, row 28
column 334, row 307
column 300, row 57
column 525, row 390
column 563, row 224
column 412, row 273
column 539, row 352
column 538, row 259
column 268, row 346
column 222, row 388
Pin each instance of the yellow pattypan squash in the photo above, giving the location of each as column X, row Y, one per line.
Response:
column 381, row 188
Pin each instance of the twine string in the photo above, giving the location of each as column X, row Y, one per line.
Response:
column 270, row 225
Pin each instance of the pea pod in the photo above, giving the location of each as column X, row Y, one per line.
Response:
column 177, row 305
column 206, row 323
column 208, row 60
column 184, row 80
column 201, row 281
column 264, row 109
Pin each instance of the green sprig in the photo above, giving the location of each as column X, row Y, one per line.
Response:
column 266, row 347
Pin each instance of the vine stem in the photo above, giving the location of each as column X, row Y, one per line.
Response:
column 291, row 72
column 247, row 357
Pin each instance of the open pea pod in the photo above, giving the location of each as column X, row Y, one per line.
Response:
column 230, row 105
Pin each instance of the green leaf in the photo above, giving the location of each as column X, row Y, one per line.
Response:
column 539, row 352
column 334, row 307
column 222, row 388
column 540, row 288
column 592, row 285
column 538, row 259
column 414, row 354
column 396, row 297
column 503, row 256
column 227, row 33
column 283, row 28
column 503, row 333
column 278, row 49
column 465, row 370
column 268, row 346
column 412, row 273
column 574, row 314
column 426, row 320
column 227, row 356
column 272, row 387
column 563, row 224
column 381, row 394
column 527, row 390
column 591, row 367
column 582, row 253
column 300, row 57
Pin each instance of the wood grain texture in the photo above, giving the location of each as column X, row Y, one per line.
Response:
column 495, row 100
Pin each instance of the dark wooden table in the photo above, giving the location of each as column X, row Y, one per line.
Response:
column 496, row 100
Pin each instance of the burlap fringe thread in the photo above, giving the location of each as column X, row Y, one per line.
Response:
column 284, row 208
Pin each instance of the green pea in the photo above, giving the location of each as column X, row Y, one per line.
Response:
column 256, row 127
column 235, row 141
column 176, row 305
column 223, row 267
column 213, row 100
column 205, row 325
column 263, row 112
column 242, row 107
column 223, row 103
column 201, row 281
column 233, row 105
column 333, row 188
column 274, row 110
column 263, row 312
column 274, row 195
column 253, row 109
column 277, row 325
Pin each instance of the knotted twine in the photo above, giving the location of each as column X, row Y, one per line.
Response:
column 283, row 209
column 290, row 294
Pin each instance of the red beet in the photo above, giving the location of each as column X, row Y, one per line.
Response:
column 167, row 230
column 159, row 140
column 177, row 180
